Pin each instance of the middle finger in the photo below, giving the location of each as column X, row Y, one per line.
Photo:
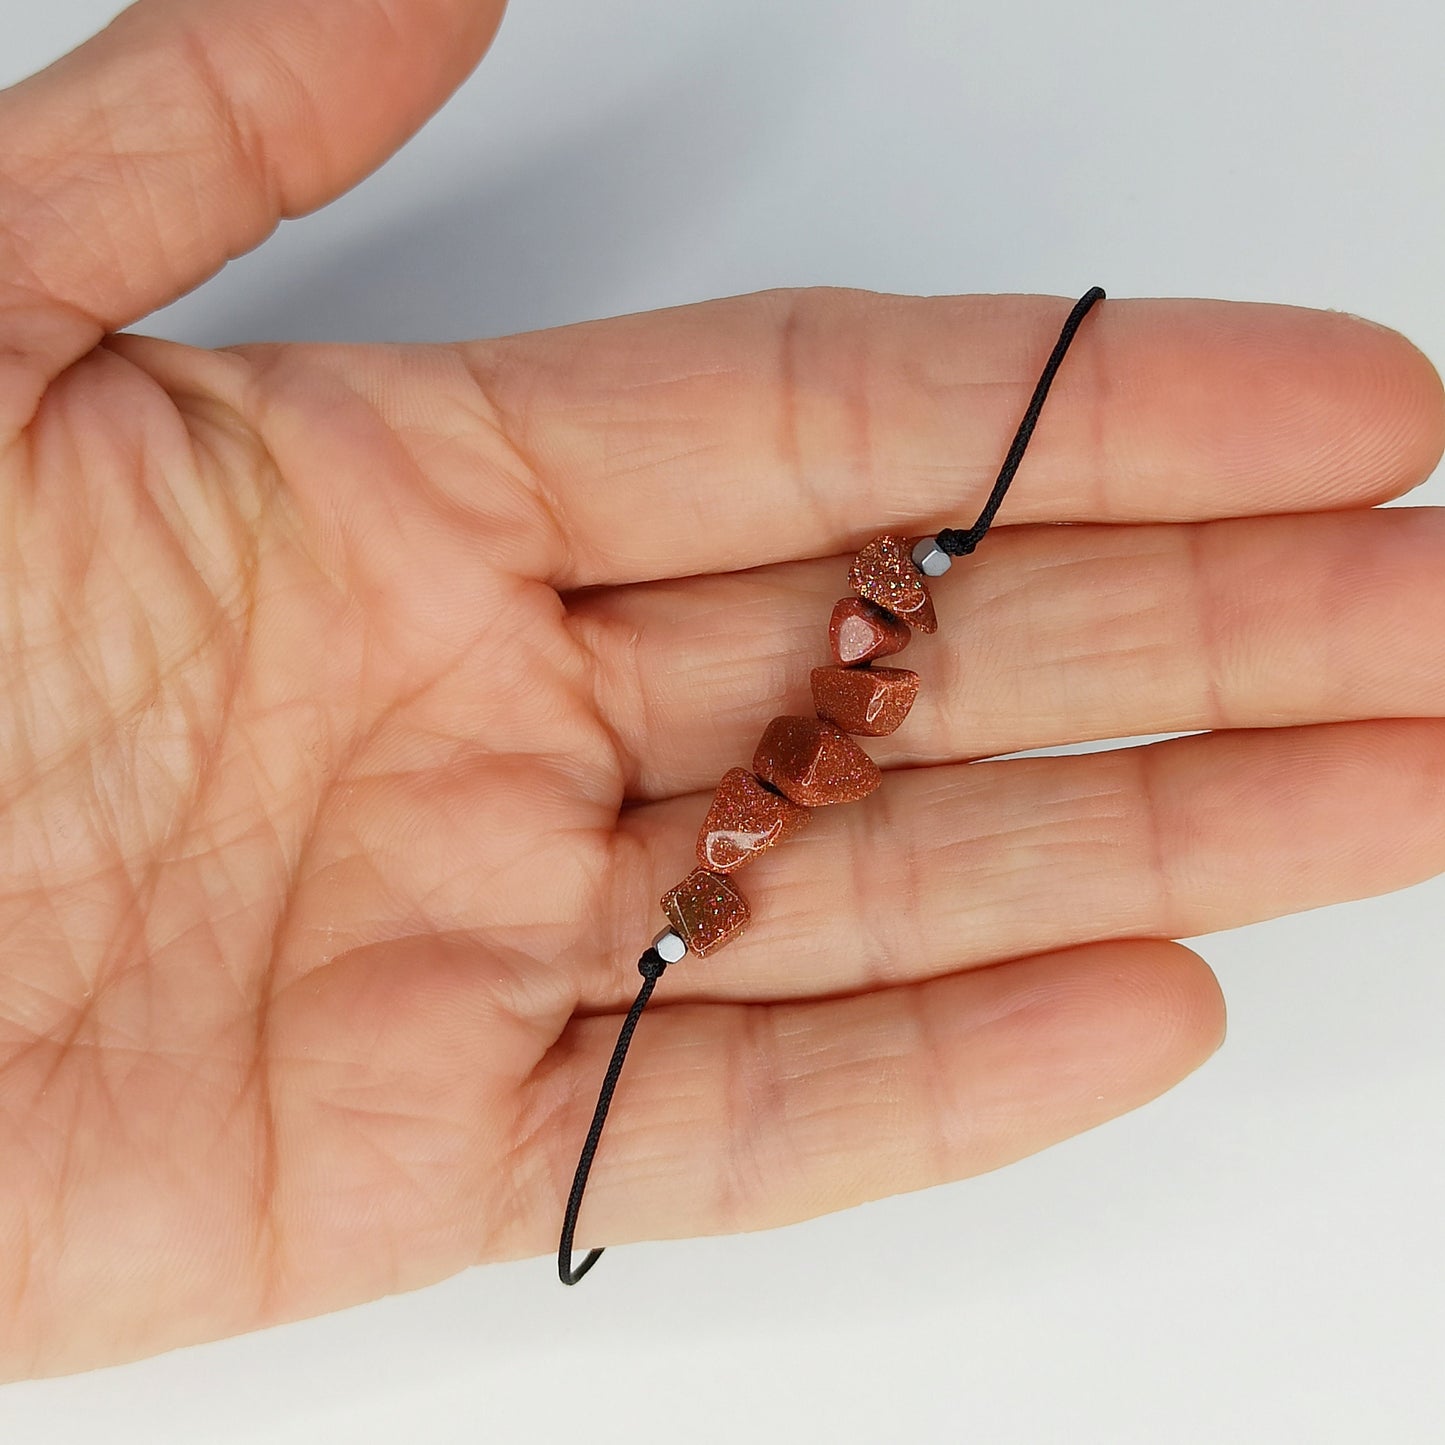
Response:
column 1049, row 635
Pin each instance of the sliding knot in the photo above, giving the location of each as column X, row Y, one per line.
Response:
column 651, row 964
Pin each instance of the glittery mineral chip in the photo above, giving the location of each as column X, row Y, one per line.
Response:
column 883, row 573
column 869, row 701
column 706, row 909
column 859, row 631
column 745, row 818
column 814, row 763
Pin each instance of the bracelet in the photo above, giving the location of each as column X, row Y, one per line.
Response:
column 803, row 763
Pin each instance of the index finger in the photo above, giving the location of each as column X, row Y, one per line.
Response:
column 791, row 424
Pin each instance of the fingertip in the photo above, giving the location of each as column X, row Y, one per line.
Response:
column 1135, row 1016
column 1412, row 402
column 1199, row 997
column 1281, row 407
column 1175, row 986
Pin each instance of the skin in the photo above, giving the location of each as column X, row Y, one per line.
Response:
column 359, row 703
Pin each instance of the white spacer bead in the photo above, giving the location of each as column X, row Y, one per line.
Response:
column 670, row 945
column 930, row 558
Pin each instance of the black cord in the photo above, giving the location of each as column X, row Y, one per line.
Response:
column 650, row 966
column 959, row 542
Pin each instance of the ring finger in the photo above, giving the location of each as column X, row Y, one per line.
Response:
column 955, row 867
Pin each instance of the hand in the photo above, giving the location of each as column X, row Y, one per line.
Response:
column 359, row 703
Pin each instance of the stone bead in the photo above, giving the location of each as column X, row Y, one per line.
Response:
column 814, row 763
column 860, row 631
column 883, row 573
column 745, row 818
column 706, row 909
column 869, row 701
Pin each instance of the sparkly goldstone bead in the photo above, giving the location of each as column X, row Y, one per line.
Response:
column 883, row 573
column 814, row 763
column 706, row 909
column 869, row 701
column 745, row 818
column 860, row 631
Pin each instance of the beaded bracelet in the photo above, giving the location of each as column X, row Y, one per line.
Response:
column 809, row 762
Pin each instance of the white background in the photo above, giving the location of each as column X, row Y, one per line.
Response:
column 1256, row 1257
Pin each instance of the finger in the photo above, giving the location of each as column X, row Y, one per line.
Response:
column 955, row 867
column 736, row 1117
column 1051, row 635
column 177, row 138
column 800, row 423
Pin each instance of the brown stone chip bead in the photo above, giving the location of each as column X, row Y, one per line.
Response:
column 883, row 573
column 814, row 763
column 869, row 701
column 706, row 909
column 745, row 818
column 860, row 631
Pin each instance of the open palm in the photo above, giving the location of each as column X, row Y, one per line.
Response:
column 358, row 705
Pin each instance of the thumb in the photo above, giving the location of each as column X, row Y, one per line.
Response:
column 137, row 165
